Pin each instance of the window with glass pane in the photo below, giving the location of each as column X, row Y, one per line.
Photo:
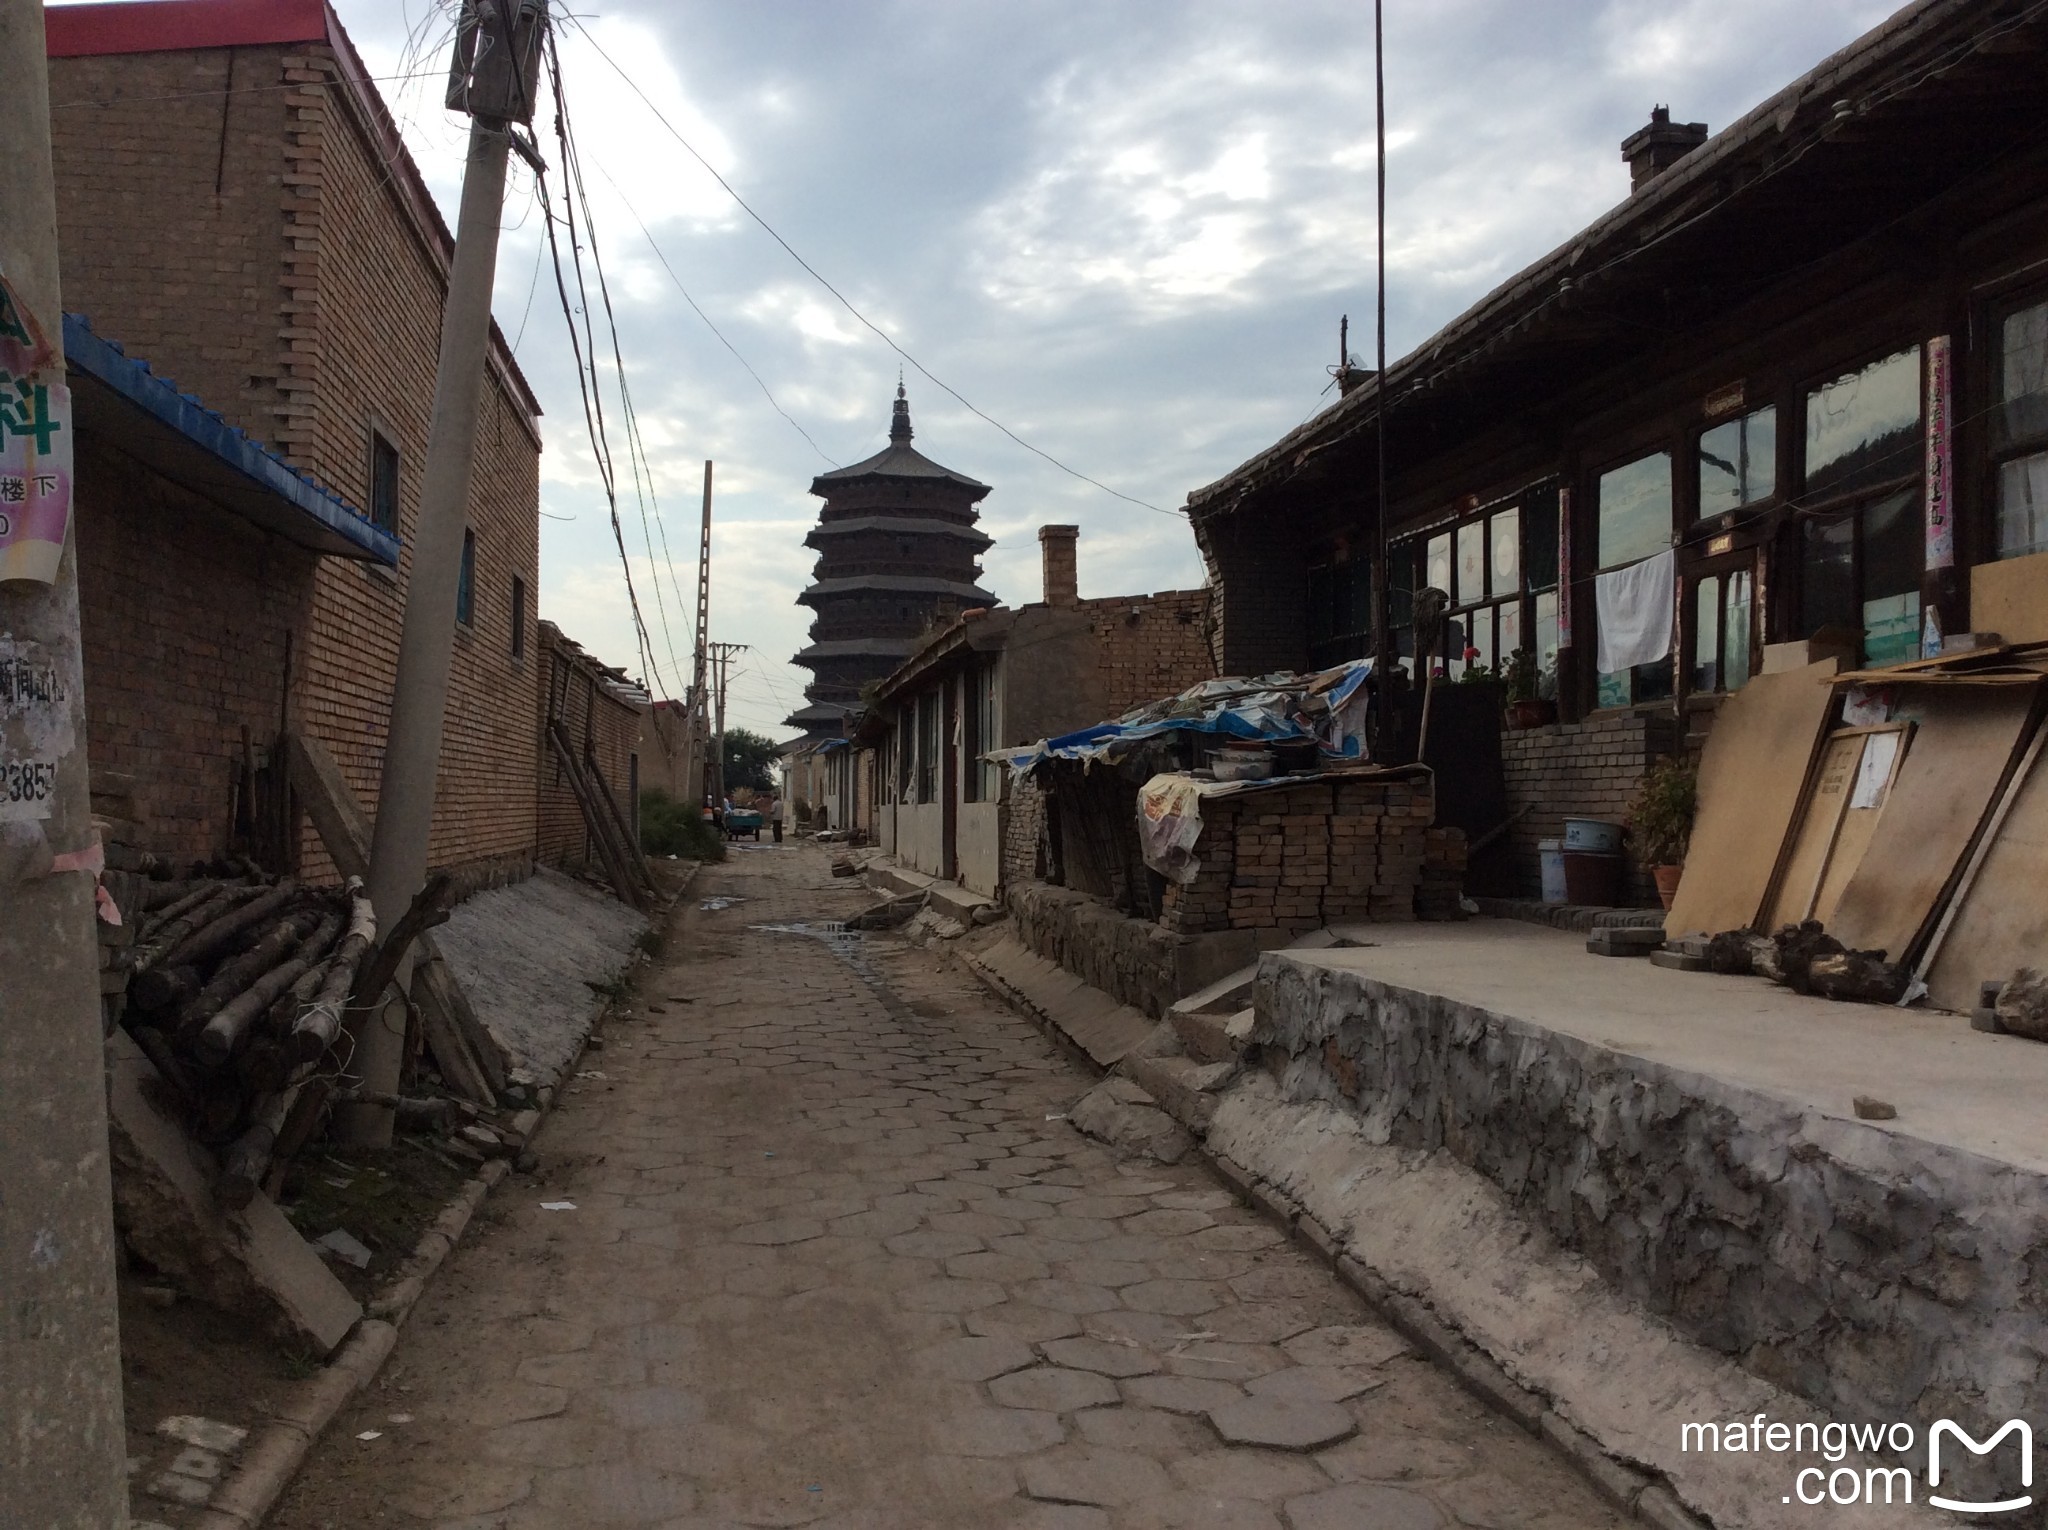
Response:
column 1864, row 427
column 928, row 746
column 1437, row 563
column 1862, row 573
column 1721, row 631
column 2020, row 433
column 1635, row 510
column 1471, row 563
column 1738, row 463
column 1546, row 644
column 1505, row 532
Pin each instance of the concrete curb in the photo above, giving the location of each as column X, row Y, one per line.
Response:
column 278, row 1449
column 1648, row 1500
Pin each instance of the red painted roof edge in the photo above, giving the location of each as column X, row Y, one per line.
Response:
column 159, row 26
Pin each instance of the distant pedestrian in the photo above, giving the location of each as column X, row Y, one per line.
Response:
column 775, row 815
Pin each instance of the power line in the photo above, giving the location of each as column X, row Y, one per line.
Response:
column 575, row 194
column 647, row 234
column 846, row 303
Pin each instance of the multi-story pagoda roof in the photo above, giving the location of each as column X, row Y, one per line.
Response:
column 897, row 545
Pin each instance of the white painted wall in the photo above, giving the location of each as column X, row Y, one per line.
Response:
column 920, row 837
column 980, row 847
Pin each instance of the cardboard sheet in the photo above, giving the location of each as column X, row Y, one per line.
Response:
column 1810, row 848
column 1751, row 779
column 1962, row 748
column 2010, row 598
column 2002, row 920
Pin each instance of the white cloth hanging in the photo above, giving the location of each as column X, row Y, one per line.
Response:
column 1634, row 606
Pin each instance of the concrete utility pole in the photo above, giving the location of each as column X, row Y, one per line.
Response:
column 700, row 777
column 721, row 654
column 63, row 1450
column 496, row 69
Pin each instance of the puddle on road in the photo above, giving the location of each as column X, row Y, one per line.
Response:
column 839, row 940
column 713, row 905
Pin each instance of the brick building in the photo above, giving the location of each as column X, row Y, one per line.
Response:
column 1794, row 387
column 235, row 204
column 601, row 718
column 997, row 677
column 198, row 554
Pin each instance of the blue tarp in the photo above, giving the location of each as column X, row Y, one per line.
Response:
column 1327, row 707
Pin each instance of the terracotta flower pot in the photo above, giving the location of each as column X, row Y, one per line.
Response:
column 1530, row 714
column 1667, row 882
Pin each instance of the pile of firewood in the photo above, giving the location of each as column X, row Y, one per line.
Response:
column 235, row 986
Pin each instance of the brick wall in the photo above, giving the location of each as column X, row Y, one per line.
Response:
column 266, row 249
column 599, row 725
column 1023, row 855
column 184, row 610
column 1150, row 646
column 1587, row 769
column 1297, row 858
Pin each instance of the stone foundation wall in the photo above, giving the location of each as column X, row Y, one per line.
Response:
column 1135, row 961
column 1880, row 1277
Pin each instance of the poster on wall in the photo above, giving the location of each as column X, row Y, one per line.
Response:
column 35, row 446
column 1941, row 528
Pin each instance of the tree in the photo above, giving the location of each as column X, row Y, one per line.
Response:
column 749, row 760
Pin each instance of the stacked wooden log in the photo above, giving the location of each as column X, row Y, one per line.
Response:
column 235, row 984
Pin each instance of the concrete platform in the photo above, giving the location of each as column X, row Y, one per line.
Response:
column 948, row 898
column 1952, row 1085
column 1646, row 1195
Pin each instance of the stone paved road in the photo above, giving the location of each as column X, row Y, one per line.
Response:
column 837, row 1260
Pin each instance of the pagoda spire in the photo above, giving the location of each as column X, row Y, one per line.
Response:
column 899, row 425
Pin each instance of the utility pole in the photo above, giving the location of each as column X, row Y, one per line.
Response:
column 721, row 654
column 496, row 69
column 63, row 1450
column 700, row 768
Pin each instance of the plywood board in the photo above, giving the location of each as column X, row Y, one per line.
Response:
column 1961, row 751
column 2002, row 922
column 1812, row 843
column 2010, row 598
column 1860, row 822
column 1751, row 779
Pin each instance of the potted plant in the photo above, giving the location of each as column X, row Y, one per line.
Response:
column 1660, row 822
column 1524, row 678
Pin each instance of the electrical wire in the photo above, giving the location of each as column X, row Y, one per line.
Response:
column 648, row 235
column 845, row 302
column 575, row 194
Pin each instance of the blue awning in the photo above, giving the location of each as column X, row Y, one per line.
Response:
column 120, row 399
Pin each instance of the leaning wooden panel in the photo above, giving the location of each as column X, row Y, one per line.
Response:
column 2001, row 922
column 1863, row 820
column 1751, row 779
column 1962, row 749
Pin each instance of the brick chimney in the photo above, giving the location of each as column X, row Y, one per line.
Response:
column 1062, row 573
column 1652, row 150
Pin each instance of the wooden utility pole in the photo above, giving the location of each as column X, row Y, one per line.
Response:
column 496, row 70
column 721, row 655
column 63, row 1450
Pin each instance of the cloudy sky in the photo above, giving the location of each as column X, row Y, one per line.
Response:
column 1124, row 230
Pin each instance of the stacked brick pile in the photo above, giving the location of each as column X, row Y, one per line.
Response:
column 1442, row 891
column 1297, row 858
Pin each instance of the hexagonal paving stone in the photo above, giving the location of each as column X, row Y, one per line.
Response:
column 1021, row 1320
column 1349, row 1507
column 1170, row 1224
column 950, row 1295
column 1181, row 1394
column 997, row 1432
column 974, row 1359
column 1089, row 1476
column 1223, row 1361
column 1180, row 1298
column 1347, row 1344
column 1067, row 1296
column 985, row 1265
column 780, row 1231
column 652, row 1407
column 1247, row 1474
column 1239, row 1236
column 1061, row 1516
column 1101, row 1356
column 1315, row 1383
column 1281, row 1424
column 1052, row 1389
